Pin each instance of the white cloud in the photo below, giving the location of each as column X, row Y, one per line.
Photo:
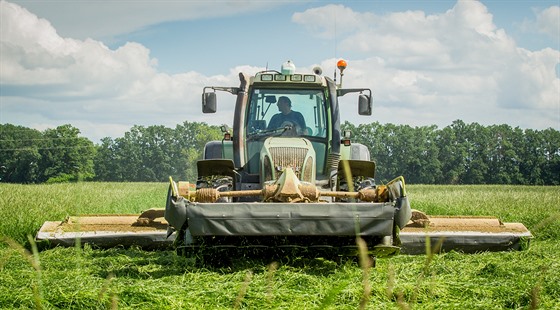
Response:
column 47, row 79
column 548, row 21
column 111, row 18
column 423, row 69
column 331, row 20
column 456, row 64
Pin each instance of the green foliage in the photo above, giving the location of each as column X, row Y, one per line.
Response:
column 154, row 153
column 61, row 178
column 462, row 153
column 19, row 154
column 87, row 278
column 457, row 154
column 65, row 155
column 56, row 155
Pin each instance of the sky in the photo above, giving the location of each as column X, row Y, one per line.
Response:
column 104, row 66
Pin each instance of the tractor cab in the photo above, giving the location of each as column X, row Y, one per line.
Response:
column 289, row 116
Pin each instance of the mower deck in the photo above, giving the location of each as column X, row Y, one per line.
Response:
column 149, row 231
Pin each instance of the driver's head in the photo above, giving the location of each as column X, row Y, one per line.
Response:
column 284, row 104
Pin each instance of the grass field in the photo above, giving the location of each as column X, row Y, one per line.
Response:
column 86, row 278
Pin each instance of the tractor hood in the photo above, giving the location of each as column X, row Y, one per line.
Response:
column 279, row 153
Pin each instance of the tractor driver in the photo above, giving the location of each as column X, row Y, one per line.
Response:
column 287, row 117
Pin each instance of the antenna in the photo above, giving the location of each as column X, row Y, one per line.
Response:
column 335, row 44
column 335, row 35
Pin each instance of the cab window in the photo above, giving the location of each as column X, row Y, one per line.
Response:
column 272, row 110
column 268, row 115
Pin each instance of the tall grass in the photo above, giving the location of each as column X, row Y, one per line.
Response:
column 24, row 208
column 86, row 278
column 538, row 207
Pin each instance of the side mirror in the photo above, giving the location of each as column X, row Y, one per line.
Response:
column 209, row 102
column 364, row 104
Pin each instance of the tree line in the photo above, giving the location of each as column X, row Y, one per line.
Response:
column 462, row 153
column 456, row 154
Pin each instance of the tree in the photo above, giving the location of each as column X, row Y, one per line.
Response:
column 154, row 153
column 189, row 141
column 65, row 156
column 19, row 154
column 106, row 163
column 476, row 139
column 551, row 152
column 504, row 143
column 453, row 150
column 423, row 160
column 400, row 150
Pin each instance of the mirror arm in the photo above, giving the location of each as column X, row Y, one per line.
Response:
column 344, row 91
column 231, row 90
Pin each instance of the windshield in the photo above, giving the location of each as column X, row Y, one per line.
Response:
column 298, row 112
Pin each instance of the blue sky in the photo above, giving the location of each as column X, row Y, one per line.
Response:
column 105, row 66
column 265, row 47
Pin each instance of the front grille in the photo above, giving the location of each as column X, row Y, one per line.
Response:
column 289, row 157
